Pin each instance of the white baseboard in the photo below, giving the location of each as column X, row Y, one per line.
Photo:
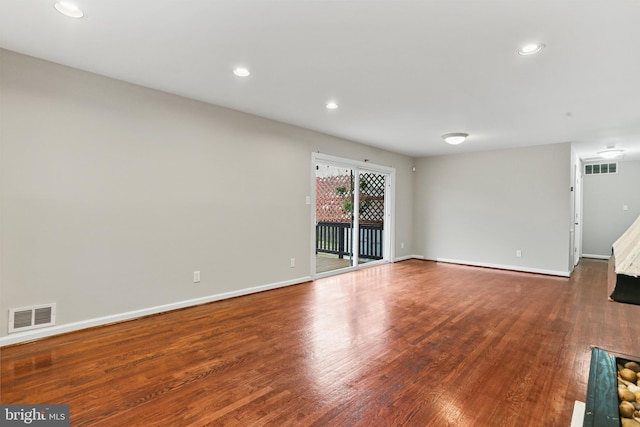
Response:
column 596, row 256
column 406, row 257
column 99, row 321
column 506, row 267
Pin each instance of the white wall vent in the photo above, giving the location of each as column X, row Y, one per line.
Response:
column 36, row 316
column 600, row 168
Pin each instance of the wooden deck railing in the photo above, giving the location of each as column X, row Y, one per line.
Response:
column 336, row 238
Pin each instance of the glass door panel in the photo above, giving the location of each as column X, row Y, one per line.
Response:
column 334, row 217
column 371, row 216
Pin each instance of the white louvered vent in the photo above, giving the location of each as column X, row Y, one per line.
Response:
column 601, row 168
column 36, row 316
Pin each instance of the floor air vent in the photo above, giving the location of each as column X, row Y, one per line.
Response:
column 37, row 316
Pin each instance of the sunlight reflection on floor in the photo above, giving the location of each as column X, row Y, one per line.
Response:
column 344, row 334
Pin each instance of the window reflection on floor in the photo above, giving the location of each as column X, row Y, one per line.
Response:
column 347, row 325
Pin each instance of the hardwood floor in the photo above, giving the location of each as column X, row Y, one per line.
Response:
column 415, row 343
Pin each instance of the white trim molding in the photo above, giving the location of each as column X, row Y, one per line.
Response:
column 130, row 315
column 596, row 256
column 406, row 257
column 506, row 267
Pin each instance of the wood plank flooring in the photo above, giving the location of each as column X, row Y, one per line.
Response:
column 415, row 343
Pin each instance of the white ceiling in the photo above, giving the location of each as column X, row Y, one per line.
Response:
column 404, row 72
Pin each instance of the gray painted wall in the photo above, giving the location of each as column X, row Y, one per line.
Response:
column 113, row 194
column 480, row 208
column 604, row 197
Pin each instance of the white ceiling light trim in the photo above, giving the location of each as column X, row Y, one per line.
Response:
column 69, row 9
column 531, row 49
column 241, row 72
column 455, row 138
column 331, row 105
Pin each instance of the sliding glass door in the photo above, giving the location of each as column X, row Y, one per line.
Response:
column 334, row 217
column 352, row 210
column 371, row 216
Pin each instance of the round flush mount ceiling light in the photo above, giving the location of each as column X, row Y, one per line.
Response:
column 331, row 105
column 69, row 9
column 531, row 49
column 241, row 72
column 611, row 153
column 455, row 138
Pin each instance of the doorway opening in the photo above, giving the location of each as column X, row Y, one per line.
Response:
column 352, row 216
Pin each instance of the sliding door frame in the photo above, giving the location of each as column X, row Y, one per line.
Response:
column 389, row 215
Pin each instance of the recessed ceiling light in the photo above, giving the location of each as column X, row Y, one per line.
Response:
column 331, row 105
column 69, row 9
column 531, row 48
column 455, row 138
column 241, row 72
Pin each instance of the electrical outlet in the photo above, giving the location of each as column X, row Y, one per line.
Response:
column 518, row 253
column 293, row 263
column 196, row 277
column 402, row 245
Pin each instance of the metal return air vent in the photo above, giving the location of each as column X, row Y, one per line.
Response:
column 37, row 316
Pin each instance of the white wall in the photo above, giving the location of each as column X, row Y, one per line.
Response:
column 480, row 208
column 604, row 197
column 113, row 194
